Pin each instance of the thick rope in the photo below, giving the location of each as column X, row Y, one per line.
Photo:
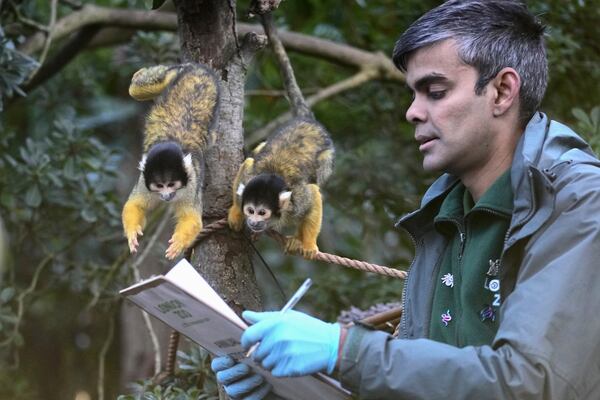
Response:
column 320, row 256
column 218, row 225
column 172, row 352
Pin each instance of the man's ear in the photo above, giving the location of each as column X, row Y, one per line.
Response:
column 507, row 85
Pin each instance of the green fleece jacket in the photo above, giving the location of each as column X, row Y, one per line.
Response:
column 465, row 305
column 546, row 345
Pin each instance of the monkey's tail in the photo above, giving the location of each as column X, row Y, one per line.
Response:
column 147, row 83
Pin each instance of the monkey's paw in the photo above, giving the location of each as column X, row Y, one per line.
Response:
column 132, row 241
column 295, row 246
column 310, row 252
column 235, row 218
column 175, row 248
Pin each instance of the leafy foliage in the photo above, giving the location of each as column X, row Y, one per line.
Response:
column 57, row 201
column 56, row 195
column 588, row 125
column 150, row 48
column 15, row 67
column 74, row 172
column 194, row 380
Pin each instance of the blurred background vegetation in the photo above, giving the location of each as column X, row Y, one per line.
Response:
column 68, row 150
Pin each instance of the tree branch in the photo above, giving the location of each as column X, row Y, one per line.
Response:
column 295, row 97
column 373, row 65
column 365, row 75
column 48, row 40
column 92, row 15
column 152, row 21
column 59, row 60
column 26, row 21
column 102, row 357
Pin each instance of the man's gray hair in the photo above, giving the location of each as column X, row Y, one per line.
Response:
column 490, row 35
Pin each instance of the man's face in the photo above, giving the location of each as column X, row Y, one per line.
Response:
column 453, row 125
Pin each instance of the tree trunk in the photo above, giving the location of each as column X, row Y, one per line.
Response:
column 206, row 30
column 207, row 36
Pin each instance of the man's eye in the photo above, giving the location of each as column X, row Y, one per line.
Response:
column 436, row 95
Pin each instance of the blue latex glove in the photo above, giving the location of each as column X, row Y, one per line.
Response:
column 239, row 380
column 292, row 343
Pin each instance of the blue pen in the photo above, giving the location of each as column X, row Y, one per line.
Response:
column 288, row 306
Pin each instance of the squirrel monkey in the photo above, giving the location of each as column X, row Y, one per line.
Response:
column 278, row 186
column 179, row 128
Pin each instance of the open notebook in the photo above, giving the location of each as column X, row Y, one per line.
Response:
column 185, row 301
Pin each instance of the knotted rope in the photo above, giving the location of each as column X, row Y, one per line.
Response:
column 320, row 256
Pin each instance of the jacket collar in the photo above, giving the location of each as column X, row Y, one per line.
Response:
column 543, row 145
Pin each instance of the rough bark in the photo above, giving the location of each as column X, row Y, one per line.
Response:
column 207, row 35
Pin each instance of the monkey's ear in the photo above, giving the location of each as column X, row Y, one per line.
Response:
column 142, row 164
column 240, row 189
column 284, row 199
column 188, row 164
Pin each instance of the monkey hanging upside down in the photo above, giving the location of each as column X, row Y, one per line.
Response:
column 179, row 129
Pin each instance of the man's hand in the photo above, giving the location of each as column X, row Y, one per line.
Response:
column 292, row 343
column 239, row 380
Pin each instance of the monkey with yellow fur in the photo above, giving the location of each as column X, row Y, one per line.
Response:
column 179, row 129
column 279, row 185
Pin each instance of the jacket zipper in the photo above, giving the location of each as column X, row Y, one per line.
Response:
column 462, row 235
column 405, row 286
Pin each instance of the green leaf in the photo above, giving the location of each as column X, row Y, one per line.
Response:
column 93, row 163
column 7, row 200
column 89, row 215
column 157, row 3
column 69, row 169
column 25, row 156
column 595, row 114
column 33, row 197
column 581, row 116
column 55, row 179
column 6, row 294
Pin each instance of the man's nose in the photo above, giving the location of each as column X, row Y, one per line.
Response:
column 415, row 112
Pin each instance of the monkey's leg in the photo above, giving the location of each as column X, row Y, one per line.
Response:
column 310, row 227
column 134, row 219
column 189, row 225
column 235, row 218
column 325, row 162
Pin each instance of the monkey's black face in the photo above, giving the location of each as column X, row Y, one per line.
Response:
column 260, row 201
column 166, row 189
column 257, row 217
column 166, row 169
